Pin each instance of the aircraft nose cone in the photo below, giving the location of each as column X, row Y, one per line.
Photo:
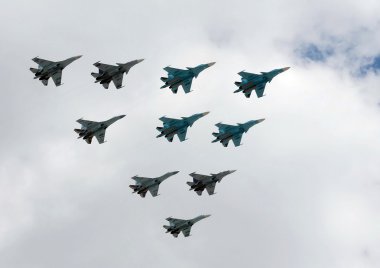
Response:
column 285, row 69
column 77, row 57
column 210, row 64
column 175, row 172
column 206, row 216
column 121, row 116
column 232, row 171
column 140, row 60
column 260, row 120
column 205, row 113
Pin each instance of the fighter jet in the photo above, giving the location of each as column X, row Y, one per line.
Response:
column 108, row 73
column 98, row 129
column 172, row 126
column 208, row 182
column 176, row 225
column 179, row 77
column 256, row 82
column 144, row 184
column 234, row 133
column 53, row 69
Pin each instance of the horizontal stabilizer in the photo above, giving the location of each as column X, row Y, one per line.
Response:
column 166, row 227
column 96, row 75
column 238, row 90
column 79, row 131
column 215, row 134
column 134, row 187
column 190, row 183
column 164, row 79
column 238, row 83
column 159, row 128
column 34, row 70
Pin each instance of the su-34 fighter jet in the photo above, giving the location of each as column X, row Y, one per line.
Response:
column 234, row 133
column 53, row 69
column 256, row 82
column 176, row 225
column 208, row 182
column 108, row 73
column 179, row 77
column 177, row 127
column 98, row 129
column 143, row 185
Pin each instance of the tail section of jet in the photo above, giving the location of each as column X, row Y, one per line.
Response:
column 33, row 70
column 96, row 75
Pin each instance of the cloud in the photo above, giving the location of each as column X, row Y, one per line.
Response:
column 304, row 192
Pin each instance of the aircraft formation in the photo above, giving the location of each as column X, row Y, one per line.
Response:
column 175, row 78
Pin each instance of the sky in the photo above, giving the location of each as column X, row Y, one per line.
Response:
column 306, row 192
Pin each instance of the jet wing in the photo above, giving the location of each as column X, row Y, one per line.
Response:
column 186, row 85
column 210, row 188
column 248, row 76
column 175, row 234
column 248, row 93
column 173, row 71
column 106, row 85
column 223, row 127
column 225, row 142
column 186, row 231
column 168, row 120
column 174, row 89
column 153, row 190
column 42, row 62
column 100, row 136
column 86, row 123
column 260, row 90
column 89, row 139
column 199, row 192
column 143, row 193
column 198, row 177
column 57, row 77
column 140, row 179
column 174, row 221
column 104, row 67
column 237, row 139
column 182, row 134
column 118, row 80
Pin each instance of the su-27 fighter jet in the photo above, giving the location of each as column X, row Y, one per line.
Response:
column 172, row 126
column 179, row 77
column 98, row 129
column 152, row 184
column 108, row 73
column 234, row 133
column 256, row 82
column 208, row 182
column 176, row 225
column 53, row 69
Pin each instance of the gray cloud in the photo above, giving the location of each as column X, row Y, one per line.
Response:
column 303, row 195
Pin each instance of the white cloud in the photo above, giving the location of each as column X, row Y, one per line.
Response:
column 305, row 193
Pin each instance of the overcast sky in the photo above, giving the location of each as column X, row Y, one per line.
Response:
column 306, row 193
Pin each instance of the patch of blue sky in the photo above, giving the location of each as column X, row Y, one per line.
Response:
column 314, row 53
column 373, row 66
